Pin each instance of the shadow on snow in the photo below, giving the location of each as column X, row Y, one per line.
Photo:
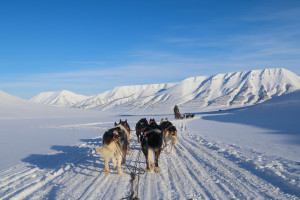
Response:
column 79, row 156
column 279, row 119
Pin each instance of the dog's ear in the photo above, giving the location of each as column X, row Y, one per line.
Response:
column 126, row 120
column 115, row 123
column 120, row 120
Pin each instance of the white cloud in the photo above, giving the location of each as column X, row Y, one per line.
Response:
column 291, row 14
column 91, row 62
column 179, row 40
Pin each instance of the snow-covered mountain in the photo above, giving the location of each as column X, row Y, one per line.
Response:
column 60, row 98
column 6, row 98
column 229, row 89
column 124, row 95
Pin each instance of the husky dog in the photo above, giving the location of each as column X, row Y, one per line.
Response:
column 189, row 116
column 127, row 127
column 114, row 145
column 151, row 140
column 165, row 123
column 140, row 127
column 170, row 133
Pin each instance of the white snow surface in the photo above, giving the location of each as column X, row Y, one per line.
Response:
column 194, row 94
column 48, row 152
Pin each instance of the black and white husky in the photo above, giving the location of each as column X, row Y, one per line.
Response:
column 140, row 127
column 114, row 145
column 127, row 127
column 152, row 140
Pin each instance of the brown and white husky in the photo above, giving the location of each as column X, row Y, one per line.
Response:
column 170, row 134
column 114, row 145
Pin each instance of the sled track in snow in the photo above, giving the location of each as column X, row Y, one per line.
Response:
column 198, row 169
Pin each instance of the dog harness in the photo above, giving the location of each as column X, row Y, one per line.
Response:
column 153, row 130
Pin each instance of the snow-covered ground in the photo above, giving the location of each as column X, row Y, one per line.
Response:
column 49, row 152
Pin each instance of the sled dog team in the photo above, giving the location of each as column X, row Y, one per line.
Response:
column 116, row 142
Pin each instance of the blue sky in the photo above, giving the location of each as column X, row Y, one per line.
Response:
column 91, row 46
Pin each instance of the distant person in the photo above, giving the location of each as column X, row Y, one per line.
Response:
column 176, row 112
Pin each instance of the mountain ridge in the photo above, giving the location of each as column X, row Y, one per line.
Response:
column 8, row 99
column 61, row 98
column 227, row 89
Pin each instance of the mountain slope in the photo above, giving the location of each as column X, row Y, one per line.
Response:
column 221, row 90
column 60, row 98
column 238, row 88
column 124, row 94
column 7, row 99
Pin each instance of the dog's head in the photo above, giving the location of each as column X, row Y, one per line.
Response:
column 152, row 121
column 164, row 120
column 123, row 123
column 172, row 130
column 143, row 122
column 111, row 135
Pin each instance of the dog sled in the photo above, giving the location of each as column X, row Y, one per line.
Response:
column 178, row 115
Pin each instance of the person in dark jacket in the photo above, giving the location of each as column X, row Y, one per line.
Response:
column 176, row 112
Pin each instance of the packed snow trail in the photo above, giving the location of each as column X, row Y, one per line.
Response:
column 198, row 169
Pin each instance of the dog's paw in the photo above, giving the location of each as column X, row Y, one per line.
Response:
column 123, row 162
column 151, row 166
column 156, row 169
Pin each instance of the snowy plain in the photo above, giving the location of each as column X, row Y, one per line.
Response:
column 48, row 152
column 225, row 152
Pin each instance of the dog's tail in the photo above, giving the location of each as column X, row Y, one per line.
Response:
column 107, row 151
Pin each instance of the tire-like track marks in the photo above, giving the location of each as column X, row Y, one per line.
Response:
column 196, row 170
